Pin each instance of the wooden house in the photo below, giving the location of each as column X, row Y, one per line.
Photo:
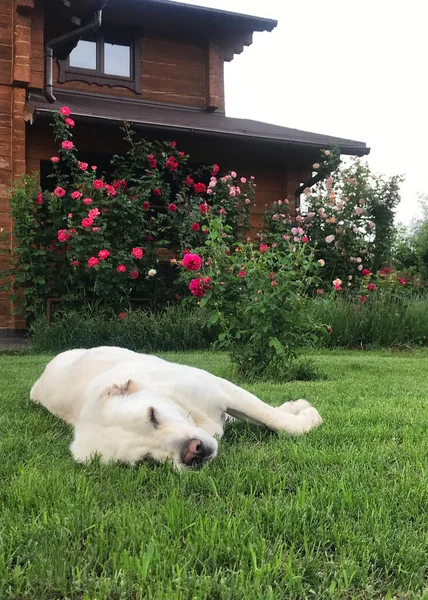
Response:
column 155, row 63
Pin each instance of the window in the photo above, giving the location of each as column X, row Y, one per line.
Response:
column 106, row 59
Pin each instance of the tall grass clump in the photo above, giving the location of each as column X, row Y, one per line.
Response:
column 172, row 327
column 380, row 322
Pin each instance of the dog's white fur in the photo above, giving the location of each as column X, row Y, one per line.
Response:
column 129, row 407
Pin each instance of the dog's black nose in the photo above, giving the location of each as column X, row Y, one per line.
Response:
column 196, row 453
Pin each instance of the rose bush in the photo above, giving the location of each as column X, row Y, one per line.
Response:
column 257, row 295
column 95, row 238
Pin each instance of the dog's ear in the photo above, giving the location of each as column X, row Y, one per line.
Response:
column 123, row 389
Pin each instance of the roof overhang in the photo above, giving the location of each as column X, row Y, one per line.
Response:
column 174, row 119
column 233, row 30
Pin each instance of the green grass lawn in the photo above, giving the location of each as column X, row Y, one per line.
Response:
column 339, row 513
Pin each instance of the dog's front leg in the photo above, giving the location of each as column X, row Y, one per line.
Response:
column 293, row 417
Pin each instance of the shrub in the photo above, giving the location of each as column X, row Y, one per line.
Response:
column 90, row 238
column 169, row 328
column 348, row 218
column 257, row 295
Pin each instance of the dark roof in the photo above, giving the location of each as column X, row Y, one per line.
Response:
column 199, row 15
column 153, row 116
column 234, row 30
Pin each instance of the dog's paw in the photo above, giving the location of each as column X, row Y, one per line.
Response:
column 311, row 418
column 295, row 407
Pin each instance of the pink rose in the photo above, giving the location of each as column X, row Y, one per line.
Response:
column 93, row 261
column 69, row 122
column 98, row 184
column 121, row 268
column 192, row 262
column 55, row 159
column 103, row 254
column 87, row 201
column 76, row 195
column 59, row 192
column 67, row 145
column 134, row 274
column 82, row 166
column 93, row 213
column 87, row 222
column 137, row 253
column 65, row 111
column 63, row 235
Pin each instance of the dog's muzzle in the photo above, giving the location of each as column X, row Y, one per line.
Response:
column 195, row 454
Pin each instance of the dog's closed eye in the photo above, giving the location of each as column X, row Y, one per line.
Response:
column 153, row 417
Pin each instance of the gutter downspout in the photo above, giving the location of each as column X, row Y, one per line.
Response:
column 67, row 37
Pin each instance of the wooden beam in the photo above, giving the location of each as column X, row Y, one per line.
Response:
column 214, row 79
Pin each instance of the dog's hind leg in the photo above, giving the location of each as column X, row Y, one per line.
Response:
column 294, row 418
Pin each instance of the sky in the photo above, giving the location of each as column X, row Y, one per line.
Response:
column 347, row 68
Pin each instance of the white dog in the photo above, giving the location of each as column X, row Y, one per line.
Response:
column 133, row 407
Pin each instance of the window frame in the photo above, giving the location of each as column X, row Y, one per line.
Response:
column 96, row 76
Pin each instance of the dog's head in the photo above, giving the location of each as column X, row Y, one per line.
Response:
column 131, row 423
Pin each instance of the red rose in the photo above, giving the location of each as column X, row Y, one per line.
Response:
column 363, row 299
column 200, row 188
column 195, row 227
column 171, row 164
column 152, row 161
column 122, row 315
column 199, row 286
column 121, row 268
column 365, row 272
column 157, row 192
column 146, row 205
column 192, row 262
column 402, row 281
column 65, row 111
column 263, row 248
column 103, row 254
column 204, row 208
column 305, row 239
column 98, row 184
column 242, row 274
column 74, row 263
column 111, row 190
column 182, row 154
column 69, row 122
column 189, row 180
column 215, row 170
column 134, row 274
column 87, row 222
column 174, row 144
column 371, row 287
column 93, row 261
column 137, row 253
column 172, row 207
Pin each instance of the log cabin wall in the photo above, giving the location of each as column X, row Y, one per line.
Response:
column 173, row 70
